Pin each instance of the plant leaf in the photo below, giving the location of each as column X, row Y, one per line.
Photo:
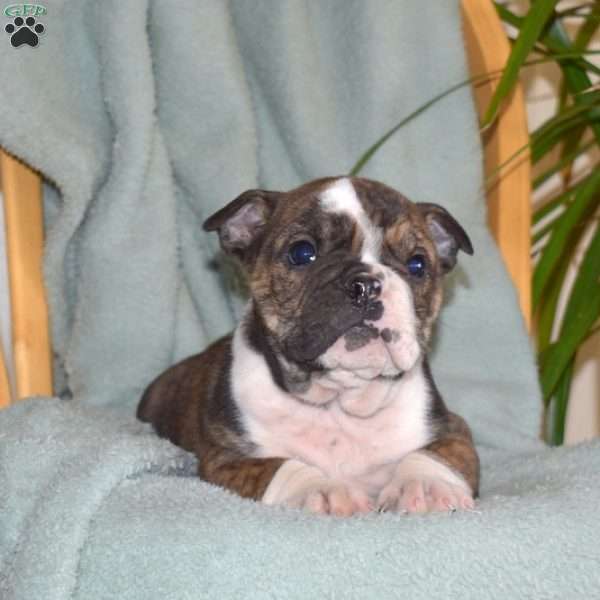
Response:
column 566, row 232
column 531, row 28
column 566, row 197
column 543, row 139
column 568, row 155
column 584, row 112
column 569, row 149
column 540, row 233
column 368, row 154
column 587, row 106
column 562, row 198
column 547, row 310
column 588, row 29
column 558, row 354
column 576, row 77
column 582, row 312
column 561, row 401
column 553, row 46
column 586, row 283
column 582, row 39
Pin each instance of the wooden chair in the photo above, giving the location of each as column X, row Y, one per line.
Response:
column 32, row 355
column 508, row 211
column 509, row 197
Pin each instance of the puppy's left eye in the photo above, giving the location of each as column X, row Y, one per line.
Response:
column 302, row 253
column 417, row 265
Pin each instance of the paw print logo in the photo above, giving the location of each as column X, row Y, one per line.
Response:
column 24, row 32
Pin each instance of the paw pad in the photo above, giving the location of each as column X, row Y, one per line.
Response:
column 24, row 31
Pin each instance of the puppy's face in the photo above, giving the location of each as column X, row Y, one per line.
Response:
column 345, row 274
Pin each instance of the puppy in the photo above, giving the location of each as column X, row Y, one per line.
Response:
column 323, row 398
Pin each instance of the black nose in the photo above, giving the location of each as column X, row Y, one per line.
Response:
column 363, row 288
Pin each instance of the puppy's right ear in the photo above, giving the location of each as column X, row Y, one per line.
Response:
column 242, row 222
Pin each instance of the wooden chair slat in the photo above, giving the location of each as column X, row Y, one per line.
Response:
column 509, row 198
column 32, row 354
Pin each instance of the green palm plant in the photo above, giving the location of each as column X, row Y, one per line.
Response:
column 566, row 217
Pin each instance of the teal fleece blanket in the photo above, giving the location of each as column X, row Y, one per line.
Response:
column 146, row 116
column 98, row 507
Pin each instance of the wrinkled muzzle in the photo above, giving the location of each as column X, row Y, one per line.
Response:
column 376, row 350
column 384, row 346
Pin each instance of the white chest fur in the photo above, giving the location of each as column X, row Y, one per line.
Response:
column 345, row 447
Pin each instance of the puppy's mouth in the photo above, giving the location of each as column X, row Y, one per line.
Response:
column 365, row 352
column 390, row 378
column 351, row 350
column 359, row 370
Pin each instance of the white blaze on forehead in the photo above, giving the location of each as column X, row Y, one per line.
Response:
column 340, row 197
column 399, row 321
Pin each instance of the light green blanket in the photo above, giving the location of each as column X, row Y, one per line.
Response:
column 95, row 506
column 147, row 116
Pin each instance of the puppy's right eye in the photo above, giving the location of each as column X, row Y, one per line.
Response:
column 417, row 265
column 302, row 253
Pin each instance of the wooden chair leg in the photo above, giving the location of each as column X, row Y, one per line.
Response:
column 24, row 245
column 4, row 383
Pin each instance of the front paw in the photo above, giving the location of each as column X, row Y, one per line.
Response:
column 299, row 485
column 424, row 495
column 332, row 499
column 422, row 484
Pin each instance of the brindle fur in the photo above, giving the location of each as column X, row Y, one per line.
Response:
column 191, row 403
column 455, row 448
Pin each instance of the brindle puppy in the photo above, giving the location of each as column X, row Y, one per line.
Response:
column 323, row 398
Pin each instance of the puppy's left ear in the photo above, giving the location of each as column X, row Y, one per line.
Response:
column 447, row 234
